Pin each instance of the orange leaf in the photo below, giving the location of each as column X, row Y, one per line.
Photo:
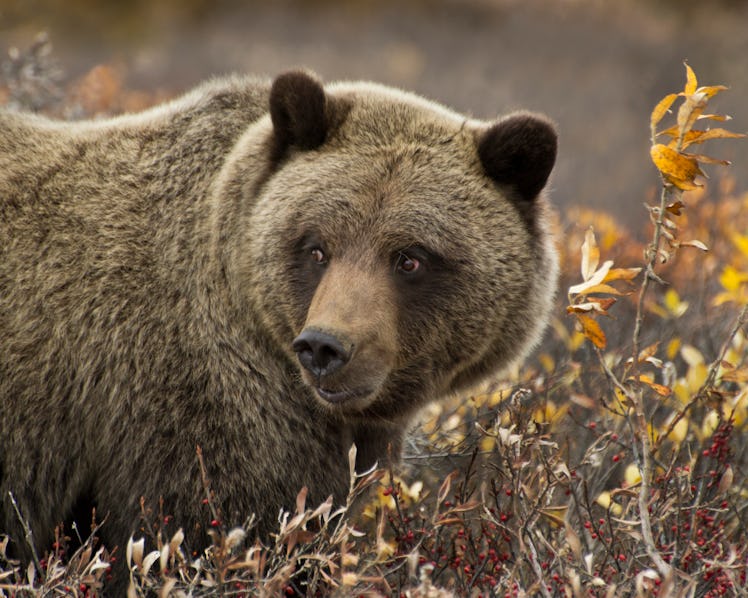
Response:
column 675, row 208
column 621, row 274
column 691, row 82
column 661, row 109
column 661, row 390
column 603, row 288
column 591, row 329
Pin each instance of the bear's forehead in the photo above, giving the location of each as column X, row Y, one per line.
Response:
column 366, row 96
column 385, row 114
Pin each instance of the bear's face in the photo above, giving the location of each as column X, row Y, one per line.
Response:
column 391, row 265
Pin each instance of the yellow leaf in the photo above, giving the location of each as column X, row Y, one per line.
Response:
column 741, row 242
column 606, row 502
column 672, row 132
column 673, row 304
column 591, row 329
column 691, row 355
column 632, row 475
column 487, row 444
column 555, row 514
column 547, row 362
column 672, row 348
column 731, row 279
column 702, row 136
column 710, row 424
column 711, row 90
column 684, row 185
column 661, row 109
column 675, row 165
column 385, row 549
column 696, row 376
column 590, row 254
column 691, row 82
column 680, row 429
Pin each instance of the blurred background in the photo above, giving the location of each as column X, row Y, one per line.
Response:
column 596, row 67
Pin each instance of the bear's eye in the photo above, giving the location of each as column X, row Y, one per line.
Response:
column 318, row 256
column 406, row 264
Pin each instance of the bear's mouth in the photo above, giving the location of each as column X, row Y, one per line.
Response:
column 340, row 396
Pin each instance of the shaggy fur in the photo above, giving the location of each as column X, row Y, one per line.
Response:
column 156, row 269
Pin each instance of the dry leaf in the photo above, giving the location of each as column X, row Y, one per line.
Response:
column 594, row 280
column 599, row 306
column 590, row 255
column 148, row 561
column 694, row 243
column 725, row 481
column 572, row 539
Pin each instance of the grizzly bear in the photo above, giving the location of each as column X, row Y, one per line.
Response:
column 272, row 271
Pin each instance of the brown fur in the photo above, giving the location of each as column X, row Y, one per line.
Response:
column 155, row 270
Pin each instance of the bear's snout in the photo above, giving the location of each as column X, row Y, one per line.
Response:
column 348, row 344
column 321, row 353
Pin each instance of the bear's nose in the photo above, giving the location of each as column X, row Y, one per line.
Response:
column 319, row 352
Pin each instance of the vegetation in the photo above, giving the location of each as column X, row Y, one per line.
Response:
column 613, row 464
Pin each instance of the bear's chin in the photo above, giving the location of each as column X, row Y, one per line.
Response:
column 345, row 401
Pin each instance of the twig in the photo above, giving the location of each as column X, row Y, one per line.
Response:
column 28, row 534
column 740, row 321
column 535, row 563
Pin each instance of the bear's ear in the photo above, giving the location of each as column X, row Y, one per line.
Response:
column 298, row 110
column 519, row 151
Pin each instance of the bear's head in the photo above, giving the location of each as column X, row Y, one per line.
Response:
column 395, row 250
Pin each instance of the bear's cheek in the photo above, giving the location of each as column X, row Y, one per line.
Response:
column 348, row 344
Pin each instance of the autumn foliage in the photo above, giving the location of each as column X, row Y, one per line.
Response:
column 612, row 464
